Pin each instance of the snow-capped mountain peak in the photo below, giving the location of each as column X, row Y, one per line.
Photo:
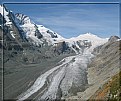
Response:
column 88, row 35
column 88, row 38
column 50, row 36
column 95, row 40
column 23, row 19
column 5, row 12
column 38, row 34
column 29, row 28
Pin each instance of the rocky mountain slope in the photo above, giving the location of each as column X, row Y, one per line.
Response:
column 21, row 36
column 41, row 64
column 105, row 66
column 102, row 72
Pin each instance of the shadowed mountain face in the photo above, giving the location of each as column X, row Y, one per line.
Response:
column 40, row 64
column 21, row 37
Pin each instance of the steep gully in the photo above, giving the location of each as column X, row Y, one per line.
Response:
column 70, row 73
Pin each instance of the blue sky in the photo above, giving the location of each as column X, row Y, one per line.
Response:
column 73, row 19
column 59, row 0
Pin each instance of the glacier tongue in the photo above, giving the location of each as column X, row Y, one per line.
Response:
column 76, row 75
column 71, row 73
column 53, row 88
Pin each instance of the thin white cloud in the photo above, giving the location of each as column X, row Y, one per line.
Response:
column 81, row 20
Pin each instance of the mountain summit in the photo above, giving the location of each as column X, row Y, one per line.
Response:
column 39, row 35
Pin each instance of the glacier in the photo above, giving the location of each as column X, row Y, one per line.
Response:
column 71, row 72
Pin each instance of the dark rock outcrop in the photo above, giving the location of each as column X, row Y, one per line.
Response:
column 113, row 38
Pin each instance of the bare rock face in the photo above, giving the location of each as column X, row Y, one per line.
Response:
column 103, row 49
column 60, row 47
column 113, row 38
column 106, row 64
